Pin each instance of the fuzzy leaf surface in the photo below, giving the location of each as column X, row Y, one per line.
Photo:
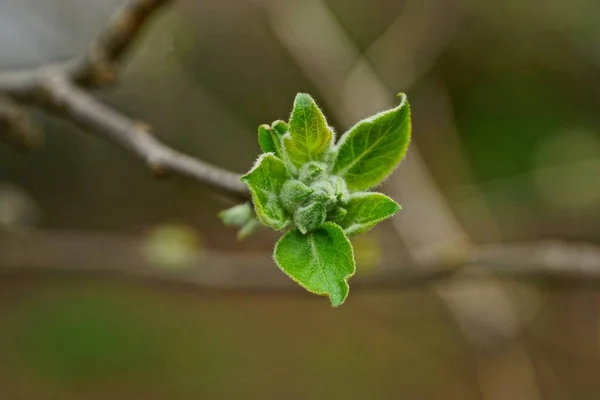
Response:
column 321, row 261
column 374, row 147
column 309, row 136
column 265, row 181
column 365, row 210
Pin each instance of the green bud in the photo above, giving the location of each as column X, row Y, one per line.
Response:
column 237, row 216
column 310, row 217
column 337, row 214
column 293, row 193
column 312, row 171
column 324, row 193
column 341, row 190
column 330, row 155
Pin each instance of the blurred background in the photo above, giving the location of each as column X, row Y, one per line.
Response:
column 505, row 113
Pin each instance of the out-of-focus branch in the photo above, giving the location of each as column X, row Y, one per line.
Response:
column 555, row 262
column 58, row 89
column 135, row 137
column 16, row 126
column 100, row 65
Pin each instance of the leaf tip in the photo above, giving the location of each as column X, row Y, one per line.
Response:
column 303, row 99
column 337, row 300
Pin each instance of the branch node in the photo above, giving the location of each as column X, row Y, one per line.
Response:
column 102, row 71
column 17, row 128
column 158, row 167
column 142, row 127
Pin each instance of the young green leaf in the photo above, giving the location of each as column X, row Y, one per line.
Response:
column 321, row 261
column 249, row 228
column 280, row 127
column 372, row 149
column 267, row 145
column 265, row 181
column 309, row 136
column 365, row 210
column 269, row 137
column 236, row 216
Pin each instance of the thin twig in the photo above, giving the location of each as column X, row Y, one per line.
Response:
column 135, row 137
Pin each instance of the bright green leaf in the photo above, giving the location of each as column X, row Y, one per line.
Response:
column 309, row 136
column 321, row 261
column 265, row 181
column 365, row 210
column 372, row 149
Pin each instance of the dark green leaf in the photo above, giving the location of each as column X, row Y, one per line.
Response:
column 372, row 149
column 365, row 210
column 269, row 138
column 280, row 127
column 265, row 140
column 321, row 261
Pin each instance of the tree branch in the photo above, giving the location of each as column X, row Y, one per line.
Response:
column 134, row 136
column 100, row 65
column 58, row 89
column 561, row 263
